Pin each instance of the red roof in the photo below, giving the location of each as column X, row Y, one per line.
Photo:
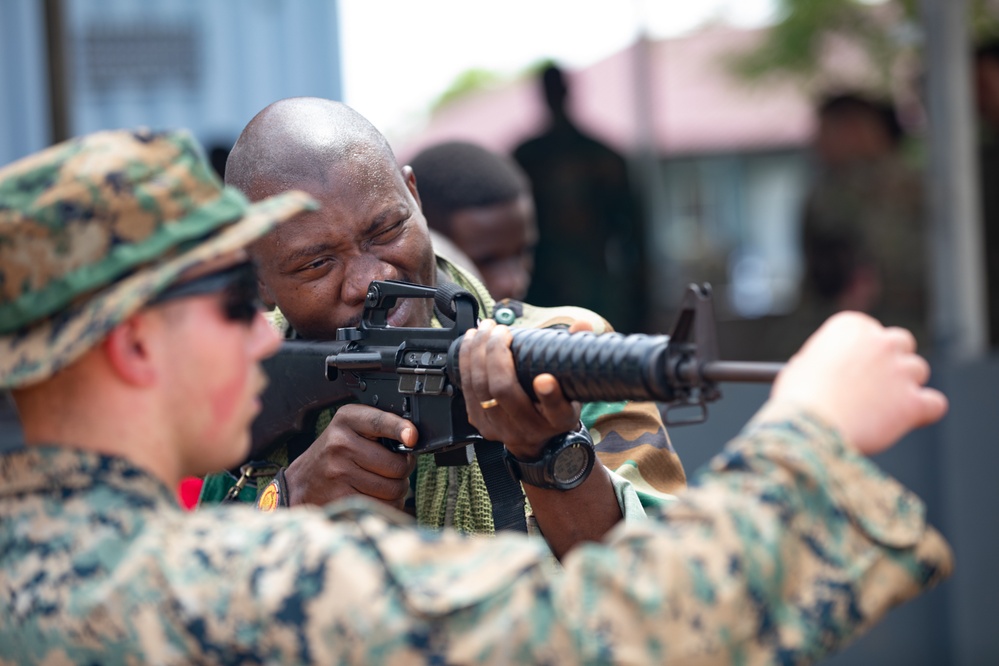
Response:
column 697, row 105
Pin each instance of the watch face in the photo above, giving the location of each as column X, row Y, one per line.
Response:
column 570, row 463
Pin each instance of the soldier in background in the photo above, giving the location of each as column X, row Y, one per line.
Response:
column 481, row 201
column 864, row 220
column 986, row 73
column 590, row 239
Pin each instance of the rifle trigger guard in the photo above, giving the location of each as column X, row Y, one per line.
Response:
column 699, row 417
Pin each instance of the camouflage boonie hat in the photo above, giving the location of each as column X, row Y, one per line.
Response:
column 93, row 228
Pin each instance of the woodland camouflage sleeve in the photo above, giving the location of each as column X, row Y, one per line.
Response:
column 788, row 547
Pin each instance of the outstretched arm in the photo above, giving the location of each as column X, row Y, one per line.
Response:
column 792, row 543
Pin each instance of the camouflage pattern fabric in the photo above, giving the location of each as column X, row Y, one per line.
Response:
column 630, row 440
column 788, row 547
column 92, row 228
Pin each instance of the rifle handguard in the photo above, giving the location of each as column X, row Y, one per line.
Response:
column 612, row 367
column 589, row 367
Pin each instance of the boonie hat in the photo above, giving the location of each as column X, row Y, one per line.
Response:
column 93, row 228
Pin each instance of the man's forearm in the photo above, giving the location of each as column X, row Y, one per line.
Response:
column 585, row 513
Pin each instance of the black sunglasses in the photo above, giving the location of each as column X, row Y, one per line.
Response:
column 238, row 286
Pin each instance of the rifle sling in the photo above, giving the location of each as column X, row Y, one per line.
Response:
column 505, row 492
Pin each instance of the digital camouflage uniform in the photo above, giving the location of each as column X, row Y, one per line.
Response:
column 788, row 547
column 102, row 230
column 629, row 437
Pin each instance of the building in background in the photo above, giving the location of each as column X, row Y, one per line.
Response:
column 70, row 67
column 208, row 65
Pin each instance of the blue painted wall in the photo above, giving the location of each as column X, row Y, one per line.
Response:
column 24, row 112
column 208, row 65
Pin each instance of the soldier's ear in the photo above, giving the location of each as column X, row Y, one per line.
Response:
column 410, row 177
column 128, row 350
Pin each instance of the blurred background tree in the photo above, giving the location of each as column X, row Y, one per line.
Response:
column 884, row 33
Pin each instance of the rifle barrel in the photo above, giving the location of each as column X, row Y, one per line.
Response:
column 740, row 371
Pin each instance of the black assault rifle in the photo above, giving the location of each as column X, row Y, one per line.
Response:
column 414, row 372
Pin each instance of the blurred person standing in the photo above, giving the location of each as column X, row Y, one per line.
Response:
column 864, row 220
column 482, row 202
column 590, row 233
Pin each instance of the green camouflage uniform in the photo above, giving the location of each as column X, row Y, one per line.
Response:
column 788, row 547
column 630, row 440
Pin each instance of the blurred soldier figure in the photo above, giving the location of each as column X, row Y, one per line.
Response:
column 590, row 239
column 481, row 201
column 986, row 73
column 864, row 226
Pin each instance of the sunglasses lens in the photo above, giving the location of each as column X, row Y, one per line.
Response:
column 242, row 298
column 237, row 285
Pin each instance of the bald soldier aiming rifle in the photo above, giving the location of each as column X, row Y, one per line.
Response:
column 316, row 272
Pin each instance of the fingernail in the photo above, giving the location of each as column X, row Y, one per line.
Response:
column 405, row 435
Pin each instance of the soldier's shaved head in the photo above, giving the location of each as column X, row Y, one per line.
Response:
column 300, row 139
column 368, row 226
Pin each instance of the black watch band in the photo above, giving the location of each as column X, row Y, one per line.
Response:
column 567, row 462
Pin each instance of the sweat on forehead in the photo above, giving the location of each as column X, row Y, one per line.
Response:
column 301, row 139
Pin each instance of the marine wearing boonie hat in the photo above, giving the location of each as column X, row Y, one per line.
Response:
column 93, row 228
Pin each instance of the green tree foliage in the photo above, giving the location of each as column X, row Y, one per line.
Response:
column 475, row 80
column 884, row 31
column 467, row 82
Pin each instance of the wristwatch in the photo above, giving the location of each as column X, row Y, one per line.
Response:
column 567, row 461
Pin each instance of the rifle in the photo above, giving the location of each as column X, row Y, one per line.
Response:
column 414, row 372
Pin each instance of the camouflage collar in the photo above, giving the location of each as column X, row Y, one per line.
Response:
column 42, row 469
